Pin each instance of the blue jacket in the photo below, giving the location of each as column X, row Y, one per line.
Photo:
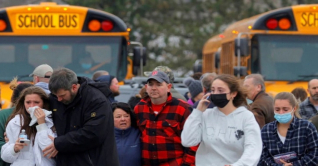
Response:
column 128, row 146
column 44, row 86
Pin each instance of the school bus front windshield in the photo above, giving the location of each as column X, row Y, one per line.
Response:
column 84, row 55
column 282, row 57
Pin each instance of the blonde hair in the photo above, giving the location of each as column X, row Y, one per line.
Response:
column 14, row 83
column 291, row 99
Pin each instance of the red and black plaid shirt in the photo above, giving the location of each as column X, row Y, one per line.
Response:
column 161, row 133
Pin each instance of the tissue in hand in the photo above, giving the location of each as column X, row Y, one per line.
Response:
column 33, row 118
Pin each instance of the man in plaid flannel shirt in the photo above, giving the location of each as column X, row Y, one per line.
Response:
column 308, row 108
column 160, row 118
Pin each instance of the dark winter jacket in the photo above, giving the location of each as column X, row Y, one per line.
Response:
column 85, row 127
column 128, row 146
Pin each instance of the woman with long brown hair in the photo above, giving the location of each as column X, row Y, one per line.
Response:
column 37, row 134
column 17, row 88
column 228, row 134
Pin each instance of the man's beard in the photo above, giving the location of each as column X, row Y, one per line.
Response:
column 73, row 95
column 115, row 93
column 314, row 97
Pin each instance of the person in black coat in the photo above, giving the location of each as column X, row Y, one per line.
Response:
column 83, row 119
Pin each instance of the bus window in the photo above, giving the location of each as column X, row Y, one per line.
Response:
column 287, row 57
column 101, row 56
column 7, row 53
column 54, row 54
column 60, row 52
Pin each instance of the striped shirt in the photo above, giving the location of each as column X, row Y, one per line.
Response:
column 301, row 138
column 161, row 133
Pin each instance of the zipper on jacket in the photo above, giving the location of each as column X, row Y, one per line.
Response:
column 90, row 161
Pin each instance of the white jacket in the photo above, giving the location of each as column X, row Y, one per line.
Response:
column 224, row 139
column 35, row 155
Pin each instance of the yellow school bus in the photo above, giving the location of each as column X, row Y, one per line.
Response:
column 281, row 44
column 82, row 39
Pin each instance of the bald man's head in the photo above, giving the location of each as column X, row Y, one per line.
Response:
column 313, row 89
column 99, row 73
column 312, row 82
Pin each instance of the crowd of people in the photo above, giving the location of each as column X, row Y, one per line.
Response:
column 66, row 120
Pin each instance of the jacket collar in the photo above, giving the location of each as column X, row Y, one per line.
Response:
column 123, row 133
column 258, row 94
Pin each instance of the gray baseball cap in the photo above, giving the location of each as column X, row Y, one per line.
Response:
column 159, row 76
column 42, row 70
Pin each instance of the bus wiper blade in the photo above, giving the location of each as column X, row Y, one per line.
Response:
column 22, row 76
column 311, row 75
column 301, row 77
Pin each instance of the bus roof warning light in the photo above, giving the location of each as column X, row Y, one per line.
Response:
column 107, row 25
column 94, row 25
column 3, row 25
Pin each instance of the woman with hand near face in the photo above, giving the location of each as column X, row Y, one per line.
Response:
column 228, row 134
column 289, row 134
column 37, row 134
column 127, row 135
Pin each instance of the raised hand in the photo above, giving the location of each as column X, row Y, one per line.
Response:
column 204, row 103
column 40, row 116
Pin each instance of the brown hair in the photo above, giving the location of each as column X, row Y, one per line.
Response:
column 143, row 92
column 24, row 115
column 291, row 99
column 235, row 86
column 197, row 75
column 300, row 94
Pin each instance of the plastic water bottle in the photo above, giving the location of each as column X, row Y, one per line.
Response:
column 23, row 135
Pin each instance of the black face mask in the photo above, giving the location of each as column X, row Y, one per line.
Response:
column 219, row 100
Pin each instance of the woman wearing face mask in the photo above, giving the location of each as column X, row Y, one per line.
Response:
column 228, row 134
column 13, row 151
column 289, row 136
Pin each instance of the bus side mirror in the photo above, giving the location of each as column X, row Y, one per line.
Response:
column 217, row 60
column 197, row 67
column 242, row 70
column 137, row 56
column 135, row 70
column 243, row 48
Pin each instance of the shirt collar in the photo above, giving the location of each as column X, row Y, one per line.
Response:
column 307, row 101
